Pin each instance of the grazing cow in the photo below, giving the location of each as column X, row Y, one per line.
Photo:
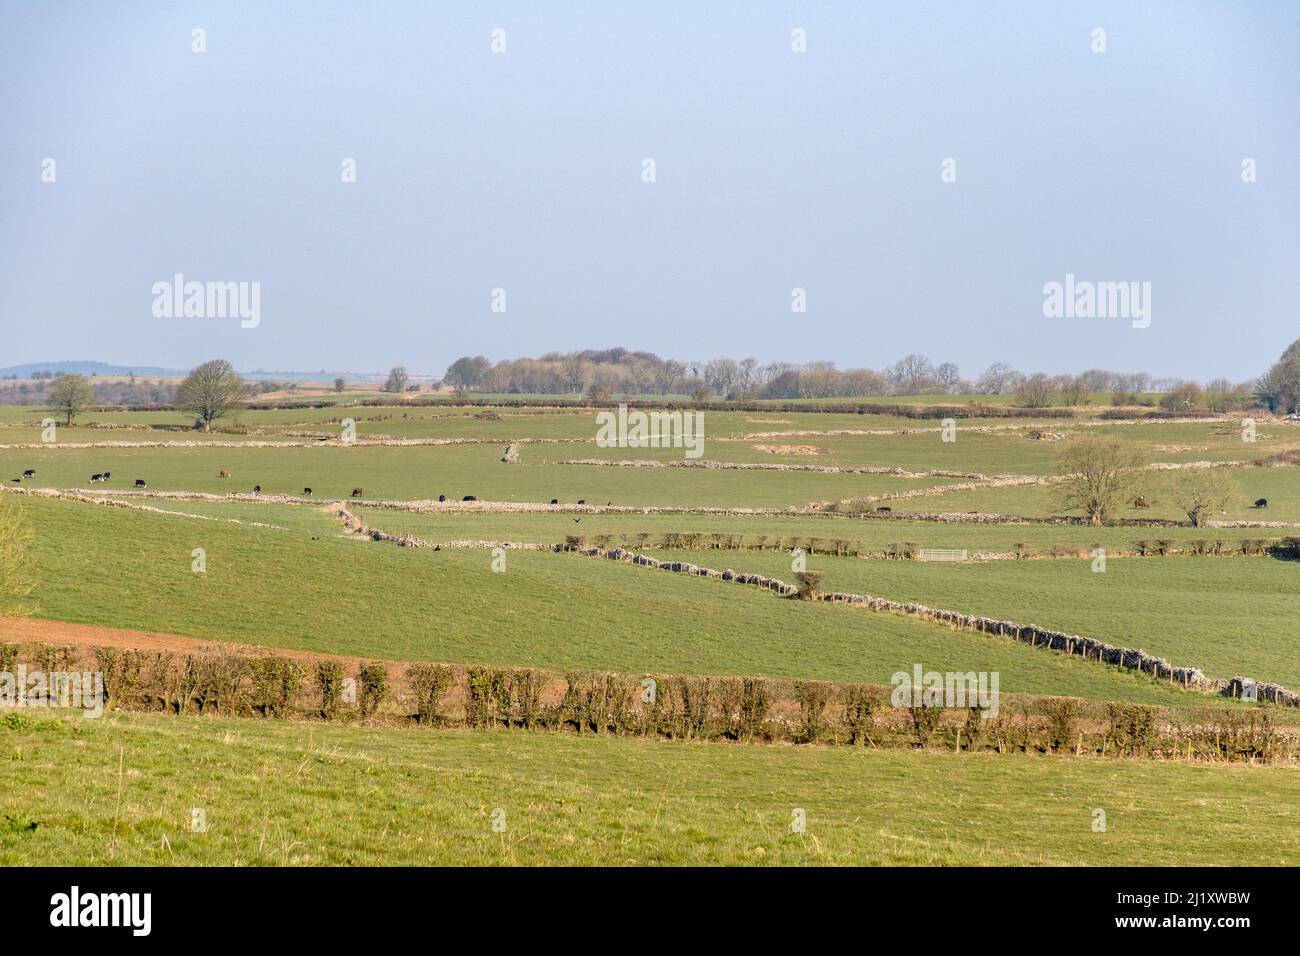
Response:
column 469, row 498
column 555, row 501
column 225, row 473
column 29, row 473
column 95, row 478
column 1140, row 502
column 442, row 497
column 108, row 475
column 1261, row 503
column 306, row 491
column 257, row 489
column 582, row 501
column 139, row 483
column 884, row 510
column 357, row 492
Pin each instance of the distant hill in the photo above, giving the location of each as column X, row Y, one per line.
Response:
column 91, row 368
column 151, row 371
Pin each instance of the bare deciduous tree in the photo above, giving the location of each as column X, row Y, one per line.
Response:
column 1034, row 391
column 397, row 379
column 70, row 396
column 1200, row 492
column 997, row 379
column 1102, row 472
column 210, row 391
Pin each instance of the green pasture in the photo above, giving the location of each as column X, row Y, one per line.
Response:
column 427, row 471
column 122, row 790
column 1227, row 615
column 330, row 594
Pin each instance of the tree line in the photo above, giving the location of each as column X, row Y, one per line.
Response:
column 601, row 373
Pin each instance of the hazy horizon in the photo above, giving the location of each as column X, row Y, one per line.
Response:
column 775, row 170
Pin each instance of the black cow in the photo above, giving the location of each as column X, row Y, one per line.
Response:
column 582, row 501
column 469, row 498
column 358, row 492
column 108, row 475
column 555, row 501
column 29, row 473
column 257, row 489
column 442, row 497
column 1261, row 503
column 139, row 483
column 884, row 510
column 306, row 491
column 95, row 478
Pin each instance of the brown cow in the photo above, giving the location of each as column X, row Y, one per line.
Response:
column 225, row 473
column 357, row 492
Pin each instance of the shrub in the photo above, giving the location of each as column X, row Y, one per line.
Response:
column 329, row 679
column 526, row 693
column 973, row 729
column 813, row 696
column 275, row 681
column 693, row 693
column 859, row 712
column 754, row 705
column 743, row 705
column 156, row 684
column 810, row 583
column 373, row 682
column 606, row 704
column 210, row 682
column 1131, row 728
column 429, row 682
column 122, row 674
column 224, row 683
column 1062, row 715
column 481, row 696
column 1289, row 547
column 925, row 721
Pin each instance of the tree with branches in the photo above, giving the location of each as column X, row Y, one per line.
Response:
column 1101, row 472
column 211, row 391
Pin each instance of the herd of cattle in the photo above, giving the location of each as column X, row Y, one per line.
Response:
column 225, row 473
column 1138, row 502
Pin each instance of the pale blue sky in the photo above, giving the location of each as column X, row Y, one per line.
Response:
column 775, row 170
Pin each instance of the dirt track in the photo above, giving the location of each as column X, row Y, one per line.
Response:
column 18, row 630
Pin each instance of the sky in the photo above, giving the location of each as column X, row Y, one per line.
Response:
column 774, row 170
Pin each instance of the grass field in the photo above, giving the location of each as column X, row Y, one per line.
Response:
column 286, row 576
column 1228, row 615
column 292, row 794
column 547, row 610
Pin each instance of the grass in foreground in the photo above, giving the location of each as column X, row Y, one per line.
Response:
column 295, row 794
